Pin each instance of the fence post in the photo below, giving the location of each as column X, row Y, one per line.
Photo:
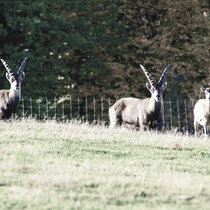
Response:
column 63, row 110
column 102, row 110
column 39, row 109
column 193, row 103
column 55, row 111
column 78, row 108
column 70, row 108
column 30, row 99
column 170, row 110
column 163, row 114
column 47, row 108
column 23, row 107
column 94, row 109
column 178, row 113
column 86, row 109
column 186, row 120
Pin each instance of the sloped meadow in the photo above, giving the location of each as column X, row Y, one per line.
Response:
column 50, row 165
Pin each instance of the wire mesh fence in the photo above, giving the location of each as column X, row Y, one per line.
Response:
column 175, row 114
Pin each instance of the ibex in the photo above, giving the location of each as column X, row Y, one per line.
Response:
column 9, row 99
column 202, row 111
column 143, row 113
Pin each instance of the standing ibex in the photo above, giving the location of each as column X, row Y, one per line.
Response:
column 9, row 99
column 202, row 111
column 143, row 113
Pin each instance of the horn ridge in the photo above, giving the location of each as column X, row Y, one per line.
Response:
column 7, row 67
column 161, row 80
column 147, row 74
column 22, row 66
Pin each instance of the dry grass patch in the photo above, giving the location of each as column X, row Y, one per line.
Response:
column 49, row 165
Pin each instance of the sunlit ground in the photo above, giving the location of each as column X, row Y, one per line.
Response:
column 49, row 165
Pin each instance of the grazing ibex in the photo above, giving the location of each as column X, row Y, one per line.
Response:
column 9, row 99
column 143, row 113
column 202, row 111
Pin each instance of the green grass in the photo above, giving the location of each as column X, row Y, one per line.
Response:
column 72, row 166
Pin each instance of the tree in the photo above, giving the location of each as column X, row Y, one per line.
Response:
column 70, row 44
column 163, row 32
column 94, row 48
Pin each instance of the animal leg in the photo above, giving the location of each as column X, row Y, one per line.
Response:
column 113, row 118
column 141, row 126
column 113, row 122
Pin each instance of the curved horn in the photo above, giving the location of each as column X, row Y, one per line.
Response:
column 7, row 67
column 161, row 80
column 22, row 65
column 151, row 81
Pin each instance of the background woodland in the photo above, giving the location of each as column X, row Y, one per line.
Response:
column 94, row 48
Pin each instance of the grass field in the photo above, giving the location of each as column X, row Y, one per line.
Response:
column 49, row 165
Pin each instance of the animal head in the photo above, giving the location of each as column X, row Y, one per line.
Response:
column 15, row 79
column 207, row 92
column 156, row 90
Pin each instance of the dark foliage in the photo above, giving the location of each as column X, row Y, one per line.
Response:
column 94, row 48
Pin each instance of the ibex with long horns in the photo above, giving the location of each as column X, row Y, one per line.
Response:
column 9, row 99
column 202, row 111
column 143, row 113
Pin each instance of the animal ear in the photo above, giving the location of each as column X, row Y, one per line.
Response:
column 7, row 76
column 202, row 89
column 148, row 86
column 164, row 85
column 23, row 75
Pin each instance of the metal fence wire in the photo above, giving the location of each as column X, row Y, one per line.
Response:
column 175, row 114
